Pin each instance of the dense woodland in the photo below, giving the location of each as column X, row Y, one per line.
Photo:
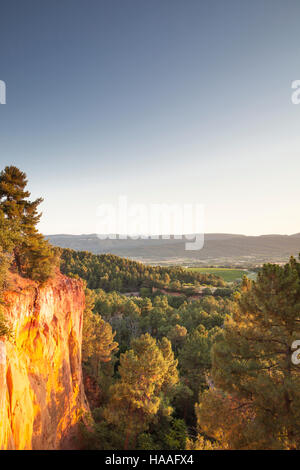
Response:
column 215, row 373
column 110, row 272
column 166, row 371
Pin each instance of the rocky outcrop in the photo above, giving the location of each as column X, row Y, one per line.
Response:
column 41, row 388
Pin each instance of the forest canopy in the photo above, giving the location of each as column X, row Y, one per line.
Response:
column 233, row 383
column 110, row 272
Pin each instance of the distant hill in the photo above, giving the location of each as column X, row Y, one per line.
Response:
column 219, row 248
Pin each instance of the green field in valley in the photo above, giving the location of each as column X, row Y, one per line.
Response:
column 228, row 274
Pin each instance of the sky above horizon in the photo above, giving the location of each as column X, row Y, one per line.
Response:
column 164, row 101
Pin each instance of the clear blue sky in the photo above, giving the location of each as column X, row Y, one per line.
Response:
column 160, row 100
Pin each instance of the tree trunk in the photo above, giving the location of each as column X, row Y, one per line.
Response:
column 18, row 260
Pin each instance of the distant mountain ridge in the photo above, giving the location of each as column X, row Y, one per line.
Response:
column 218, row 248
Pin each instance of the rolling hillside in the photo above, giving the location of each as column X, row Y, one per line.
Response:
column 223, row 249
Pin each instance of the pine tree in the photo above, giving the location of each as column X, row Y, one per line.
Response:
column 33, row 255
column 195, row 358
column 177, row 336
column 97, row 338
column 136, row 398
column 253, row 374
column 171, row 377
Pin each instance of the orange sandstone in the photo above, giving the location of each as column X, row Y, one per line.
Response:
column 41, row 388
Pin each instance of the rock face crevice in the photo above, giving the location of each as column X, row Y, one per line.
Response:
column 41, row 388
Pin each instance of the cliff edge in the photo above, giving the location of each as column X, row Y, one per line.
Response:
column 41, row 387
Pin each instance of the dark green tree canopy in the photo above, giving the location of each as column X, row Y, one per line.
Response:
column 32, row 255
column 14, row 201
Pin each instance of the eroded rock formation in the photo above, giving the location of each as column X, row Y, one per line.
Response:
column 41, row 388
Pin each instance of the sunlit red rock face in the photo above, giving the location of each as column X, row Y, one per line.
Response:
column 41, row 388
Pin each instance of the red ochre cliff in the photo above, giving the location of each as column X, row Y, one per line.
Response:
column 41, row 389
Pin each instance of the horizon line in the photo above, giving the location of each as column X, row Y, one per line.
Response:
column 170, row 236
